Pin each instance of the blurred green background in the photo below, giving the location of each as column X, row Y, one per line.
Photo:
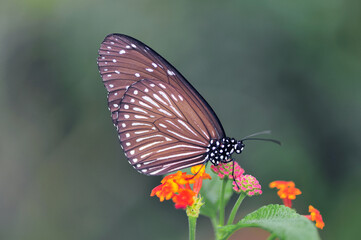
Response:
column 290, row 66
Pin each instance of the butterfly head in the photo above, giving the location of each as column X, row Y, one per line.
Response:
column 239, row 146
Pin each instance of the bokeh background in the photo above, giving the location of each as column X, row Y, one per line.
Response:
column 290, row 66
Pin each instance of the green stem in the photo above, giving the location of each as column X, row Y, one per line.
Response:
column 222, row 202
column 235, row 208
column 192, row 227
column 215, row 225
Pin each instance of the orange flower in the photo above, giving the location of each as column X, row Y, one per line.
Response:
column 178, row 177
column 287, row 191
column 177, row 186
column 165, row 190
column 200, row 172
column 281, row 184
column 184, row 198
column 315, row 216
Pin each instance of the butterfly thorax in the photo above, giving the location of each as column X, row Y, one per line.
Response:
column 220, row 151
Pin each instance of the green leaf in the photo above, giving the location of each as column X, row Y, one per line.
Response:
column 210, row 193
column 281, row 221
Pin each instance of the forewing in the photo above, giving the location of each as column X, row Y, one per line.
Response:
column 124, row 61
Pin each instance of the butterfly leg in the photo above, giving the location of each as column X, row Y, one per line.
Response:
column 233, row 175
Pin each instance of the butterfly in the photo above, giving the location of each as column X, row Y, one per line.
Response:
column 163, row 123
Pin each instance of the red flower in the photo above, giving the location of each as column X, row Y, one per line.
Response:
column 177, row 186
column 184, row 198
column 315, row 216
column 287, row 191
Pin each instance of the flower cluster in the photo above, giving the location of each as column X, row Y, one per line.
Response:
column 241, row 183
column 177, row 186
column 287, row 192
column 247, row 184
column 316, row 216
column 227, row 169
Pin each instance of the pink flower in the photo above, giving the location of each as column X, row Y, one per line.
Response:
column 226, row 169
column 247, row 184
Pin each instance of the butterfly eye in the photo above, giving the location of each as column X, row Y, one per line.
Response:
column 239, row 147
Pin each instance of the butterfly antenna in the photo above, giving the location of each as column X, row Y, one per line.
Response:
column 251, row 137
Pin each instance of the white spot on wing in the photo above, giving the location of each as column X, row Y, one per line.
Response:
column 139, row 110
column 179, row 146
column 184, row 137
column 140, row 124
column 176, row 111
column 149, row 145
column 141, row 132
column 179, row 155
column 165, row 96
column 169, row 121
column 144, row 104
column 164, row 111
column 114, row 61
column 122, row 51
column 154, row 65
column 189, row 129
column 140, row 117
column 148, row 137
column 171, row 73
column 159, row 99
column 149, row 69
column 148, row 99
column 174, row 97
column 137, row 74
column 146, row 155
